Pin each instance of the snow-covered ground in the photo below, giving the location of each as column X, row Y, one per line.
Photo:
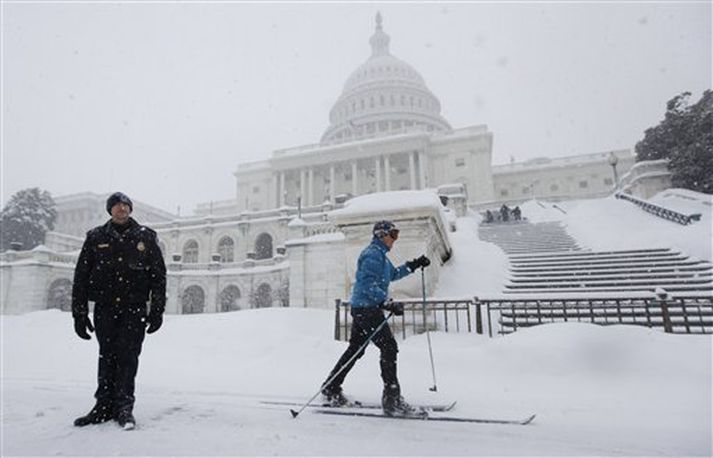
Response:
column 617, row 390
column 596, row 390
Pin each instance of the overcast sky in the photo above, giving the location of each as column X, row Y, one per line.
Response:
column 163, row 100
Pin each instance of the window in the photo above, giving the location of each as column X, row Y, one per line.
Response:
column 608, row 181
column 526, row 190
column 263, row 246
column 554, row 187
column 504, row 192
column 190, row 251
column 460, row 162
column 583, row 184
column 226, row 249
column 256, row 189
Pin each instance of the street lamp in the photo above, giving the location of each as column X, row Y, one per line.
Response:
column 613, row 161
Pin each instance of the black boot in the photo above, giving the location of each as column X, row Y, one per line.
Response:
column 334, row 397
column 394, row 405
column 126, row 419
column 100, row 413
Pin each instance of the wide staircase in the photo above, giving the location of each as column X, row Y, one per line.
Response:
column 553, row 279
column 545, row 259
column 524, row 237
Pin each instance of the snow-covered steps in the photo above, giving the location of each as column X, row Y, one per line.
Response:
column 609, row 271
column 524, row 237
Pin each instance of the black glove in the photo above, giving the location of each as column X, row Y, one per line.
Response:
column 397, row 308
column 421, row 261
column 81, row 324
column 154, row 322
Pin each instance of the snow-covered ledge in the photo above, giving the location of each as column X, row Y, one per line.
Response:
column 424, row 229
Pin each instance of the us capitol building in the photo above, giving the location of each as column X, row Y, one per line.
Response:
column 278, row 241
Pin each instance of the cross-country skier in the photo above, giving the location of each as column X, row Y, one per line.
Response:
column 369, row 298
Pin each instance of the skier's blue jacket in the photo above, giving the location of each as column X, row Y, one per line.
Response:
column 373, row 275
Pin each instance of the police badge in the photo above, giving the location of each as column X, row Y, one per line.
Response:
column 141, row 246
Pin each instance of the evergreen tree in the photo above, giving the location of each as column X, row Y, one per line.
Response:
column 685, row 138
column 26, row 218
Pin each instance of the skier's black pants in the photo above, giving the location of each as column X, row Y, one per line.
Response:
column 364, row 322
column 120, row 332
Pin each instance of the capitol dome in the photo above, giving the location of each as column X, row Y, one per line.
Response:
column 383, row 96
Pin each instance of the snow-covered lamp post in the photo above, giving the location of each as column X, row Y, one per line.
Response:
column 613, row 161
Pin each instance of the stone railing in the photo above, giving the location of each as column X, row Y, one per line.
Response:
column 661, row 212
column 176, row 265
column 39, row 255
column 646, row 178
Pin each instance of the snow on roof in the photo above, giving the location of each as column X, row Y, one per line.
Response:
column 388, row 203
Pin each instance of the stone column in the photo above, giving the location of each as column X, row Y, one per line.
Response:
column 281, row 198
column 378, row 173
column 355, row 187
column 310, row 186
column 422, row 168
column 412, row 170
column 302, row 186
column 332, row 188
column 387, row 173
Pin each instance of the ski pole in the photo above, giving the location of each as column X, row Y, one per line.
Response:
column 428, row 334
column 297, row 412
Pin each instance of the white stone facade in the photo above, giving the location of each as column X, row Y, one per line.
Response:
column 385, row 134
column 573, row 177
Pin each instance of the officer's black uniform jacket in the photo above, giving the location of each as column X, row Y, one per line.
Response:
column 121, row 270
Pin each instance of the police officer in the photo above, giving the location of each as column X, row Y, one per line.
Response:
column 369, row 297
column 119, row 268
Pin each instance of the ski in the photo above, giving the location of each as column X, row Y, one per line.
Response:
column 524, row 421
column 365, row 405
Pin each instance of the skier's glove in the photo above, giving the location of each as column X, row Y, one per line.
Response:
column 154, row 322
column 81, row 325
column 421, row 261
column 397, row 308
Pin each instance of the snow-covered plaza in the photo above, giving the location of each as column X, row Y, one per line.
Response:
column 597, row 390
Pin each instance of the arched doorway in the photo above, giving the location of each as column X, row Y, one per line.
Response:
column 262, row 297
column 229, row 298
column 193, row 300
column 60, row 295
column 263, row 246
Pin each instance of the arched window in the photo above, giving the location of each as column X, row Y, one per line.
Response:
column 263, row 246
column 226, row 249
column 190, row 251
column 229, row 298
column 60, row 295
column 262, row 297
column 193, row 300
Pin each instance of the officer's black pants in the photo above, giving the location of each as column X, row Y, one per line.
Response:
column 120, row 332
column 365, row 322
